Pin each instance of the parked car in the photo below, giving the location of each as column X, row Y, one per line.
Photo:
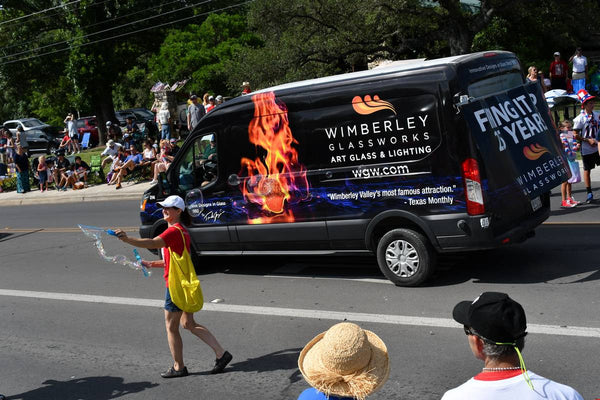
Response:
column 25, row 123
column 88, row 124
column 144, row 118
column 43, row 139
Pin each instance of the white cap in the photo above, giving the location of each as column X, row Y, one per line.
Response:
column 108, row 123
column 173, row 201
column 556, row 53
column 110, row 143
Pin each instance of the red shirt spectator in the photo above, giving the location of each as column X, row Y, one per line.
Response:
column 558, row 72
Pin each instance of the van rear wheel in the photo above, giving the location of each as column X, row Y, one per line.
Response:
column 405, row 257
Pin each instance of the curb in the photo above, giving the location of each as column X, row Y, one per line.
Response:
column 70, row 199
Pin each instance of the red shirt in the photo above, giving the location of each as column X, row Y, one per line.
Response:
column 558, row 69
column 172, row 238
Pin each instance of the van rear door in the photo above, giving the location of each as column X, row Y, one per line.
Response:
column 520, row 155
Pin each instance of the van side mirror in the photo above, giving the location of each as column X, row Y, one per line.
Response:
column 163, row 184
column 233, row 180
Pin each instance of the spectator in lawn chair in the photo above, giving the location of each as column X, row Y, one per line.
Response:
column 131, row 127
column 133, row 160
column 128, row 141
column 111, row 151
column 60, row 170
column 174, row 147
column 149, row 153
column 118, row 160
column 113, row 131
column 163, row 161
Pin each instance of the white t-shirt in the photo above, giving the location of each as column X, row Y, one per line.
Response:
column 579, row 63
column 111, row 152
column 512, row 389
column 71, row 128
column 163, row 117
column 589, row 129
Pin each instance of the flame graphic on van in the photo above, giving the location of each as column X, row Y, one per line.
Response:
column 277, row 179
column 370, row 106
column 534, row 151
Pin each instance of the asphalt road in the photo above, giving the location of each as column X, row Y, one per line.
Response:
column 74, row 327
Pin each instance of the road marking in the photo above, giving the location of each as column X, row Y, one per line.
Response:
column 337, row 278
column 300, row 313
column 58, row 230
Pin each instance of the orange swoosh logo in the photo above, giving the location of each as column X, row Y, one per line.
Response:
column 534, row 151
column 369, row 106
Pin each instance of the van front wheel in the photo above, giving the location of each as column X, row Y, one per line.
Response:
column 405, row 257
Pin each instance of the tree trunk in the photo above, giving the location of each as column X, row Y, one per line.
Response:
column 104, row 108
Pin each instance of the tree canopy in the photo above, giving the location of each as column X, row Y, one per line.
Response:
column 90, row 55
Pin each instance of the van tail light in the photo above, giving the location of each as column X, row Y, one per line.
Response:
column 473, row 192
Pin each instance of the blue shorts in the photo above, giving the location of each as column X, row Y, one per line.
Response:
column 169, row 305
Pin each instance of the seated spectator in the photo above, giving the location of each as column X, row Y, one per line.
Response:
column 60, row 172
column 149, row 154
column 345, row 362
column 128, row 141
column 163, row 161
column 174, row 147
column 111, row 151
column 113, row 131
column 65, row 143
column 131, row 127
column 132, row 160
column 116, row 165
column 82, row 169
column 496, row 326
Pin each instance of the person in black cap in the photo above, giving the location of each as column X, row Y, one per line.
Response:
column 195, row 112
column 496, row 326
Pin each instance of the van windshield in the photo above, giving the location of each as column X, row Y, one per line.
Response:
column 495, row 84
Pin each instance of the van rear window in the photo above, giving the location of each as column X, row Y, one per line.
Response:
column 495, row 84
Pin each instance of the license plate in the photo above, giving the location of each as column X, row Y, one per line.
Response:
column 536, row 204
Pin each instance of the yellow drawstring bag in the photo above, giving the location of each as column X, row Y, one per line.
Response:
column 184, row 285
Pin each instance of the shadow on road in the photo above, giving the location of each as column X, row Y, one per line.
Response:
column 278, row 360
column 559, row 254
column 90, row 388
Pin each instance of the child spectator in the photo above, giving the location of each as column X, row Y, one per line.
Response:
column 10, row 147
column 42, row 172
column 568, row 138
column 82, row 170
column 62, row 165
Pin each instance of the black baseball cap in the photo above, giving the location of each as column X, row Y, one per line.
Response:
column 494, row 316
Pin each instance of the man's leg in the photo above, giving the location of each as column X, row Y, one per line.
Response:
column 174, row 338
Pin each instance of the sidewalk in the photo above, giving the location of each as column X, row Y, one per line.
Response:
column 102, row 192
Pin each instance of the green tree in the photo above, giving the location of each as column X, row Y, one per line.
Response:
column 201, row 53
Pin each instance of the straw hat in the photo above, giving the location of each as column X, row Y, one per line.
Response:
column 345, row 361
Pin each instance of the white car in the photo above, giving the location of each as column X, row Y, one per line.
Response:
column 27, row 124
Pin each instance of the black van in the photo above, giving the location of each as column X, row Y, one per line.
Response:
column 404, row 162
